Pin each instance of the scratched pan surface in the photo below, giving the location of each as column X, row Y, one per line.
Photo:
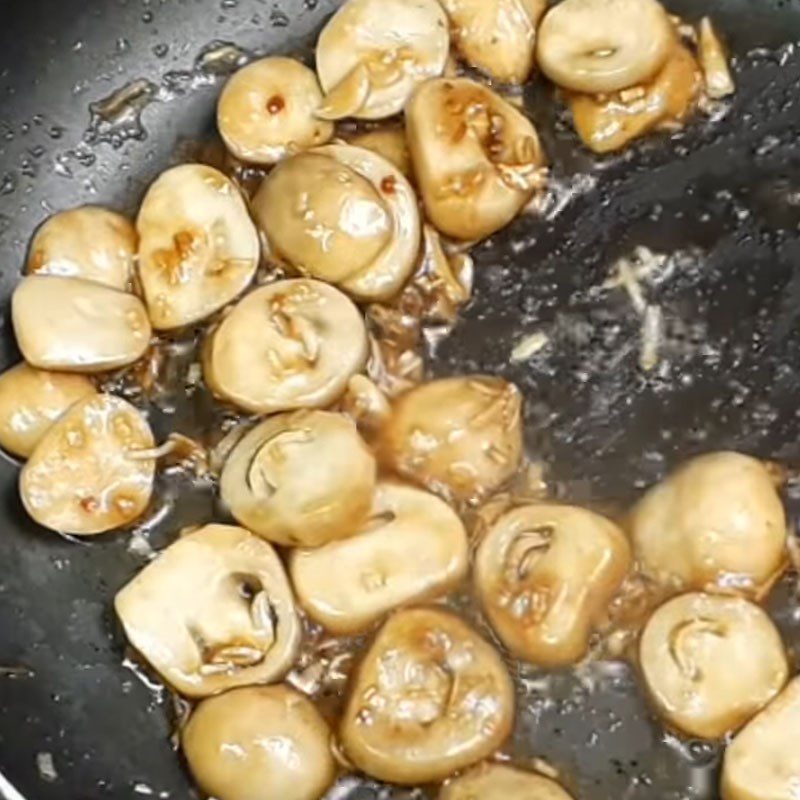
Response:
column 722, row 199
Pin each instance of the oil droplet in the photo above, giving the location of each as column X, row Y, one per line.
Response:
column 278, row 18
column 55, row 132
column 161, row 50
column 117, row 118
column 8, row 183
column 147, row 17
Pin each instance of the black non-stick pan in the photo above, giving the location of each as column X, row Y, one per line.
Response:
column 722, row 199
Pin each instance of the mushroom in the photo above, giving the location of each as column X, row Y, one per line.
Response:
column 259, row 742
column 89, row 242
column 711, row 662
column 496, row 36
column 430, row 698
column 198, row 247
column 412, row 548
column 714, row 60
column 91, row 471
column 461, row 437
column 31, row 400
column 366, row 404
column 212, row 612
column 490, row 781
column 717, row 523
column 302, row 479
column 545, row 575
column 267, row 111
column 345, row 215
column 388, row 143
column 291, row 344
column 476, row 158
column 372, row 54
column 763, row 760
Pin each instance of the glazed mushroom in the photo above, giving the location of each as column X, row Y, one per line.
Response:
column 711, row 662
column 366, row 404
column 388, row 143
column 89, row 242
column 460, row 437
column 345, row 215
column 372, row 54
column 430, row 698
column 31, row 400
column 414, row 547
column 545, row 575
column 501, row 782
column 267, row 111
column 291, row 344
column 763, row 761
column 77, row 326
column 259, row 742
column 198, row 247
column 302, row 479
column 212, row 612
column 715, row 523
column 93, row 470
column 477, row 159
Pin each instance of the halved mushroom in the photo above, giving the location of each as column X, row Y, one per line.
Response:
column 545, row 575
column 345, row 215
column 430, row 697
column 388, row 143
column 711, row 662
column 496, row 36
column 301, row 479
column 31, row 400
column 212, row 612
column 291, row 344
column 461, row 437
column 502, row 782
column 89, row 242
column 259, row 742
column 92, row 471
column 198, row 247
column 476, row 158
column 372, row 54
column 267, row 111
column 763, row 760
column 717, row 523
column 412, row 548
column 77, row 326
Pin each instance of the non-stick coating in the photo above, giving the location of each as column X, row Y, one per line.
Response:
column 725, row 196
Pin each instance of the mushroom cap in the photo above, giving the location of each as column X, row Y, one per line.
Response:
column 388, row 143
column 490, row 781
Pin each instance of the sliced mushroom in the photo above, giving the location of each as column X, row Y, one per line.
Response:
column 77, row 326
column 413, row 547
column 259, row 742
column 302, row 479
column 598, row 46
column 716, row 523
column 388, row 143
column 372, row 54
column 212, row 612
column 461, row 437
column 430, row 697
column 711, row 662
column 476, row 158
column 198, row 247
column 502, row 782
column 267, row 111
column 91, row 471
column 345, row 215
column 545, row 575
column 90, row 242
column 291, row 344
column 763, row 761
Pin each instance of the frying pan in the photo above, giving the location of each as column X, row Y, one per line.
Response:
column 722, row 199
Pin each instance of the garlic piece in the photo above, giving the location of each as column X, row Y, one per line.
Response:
column 718, row 79
column 490, row 781
column 259, row 742
column 388, row 143
column 412, row 548
column 267, row 111
column 77, row 326
column 212, row 612
column 290, row 344
column 198, row 247
column 476, row 158
column 373, row 53
column 711, row 662
column 301, row 479
column 84, row 477
column 545, row 575
column 430, row 697
column 89, row 242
